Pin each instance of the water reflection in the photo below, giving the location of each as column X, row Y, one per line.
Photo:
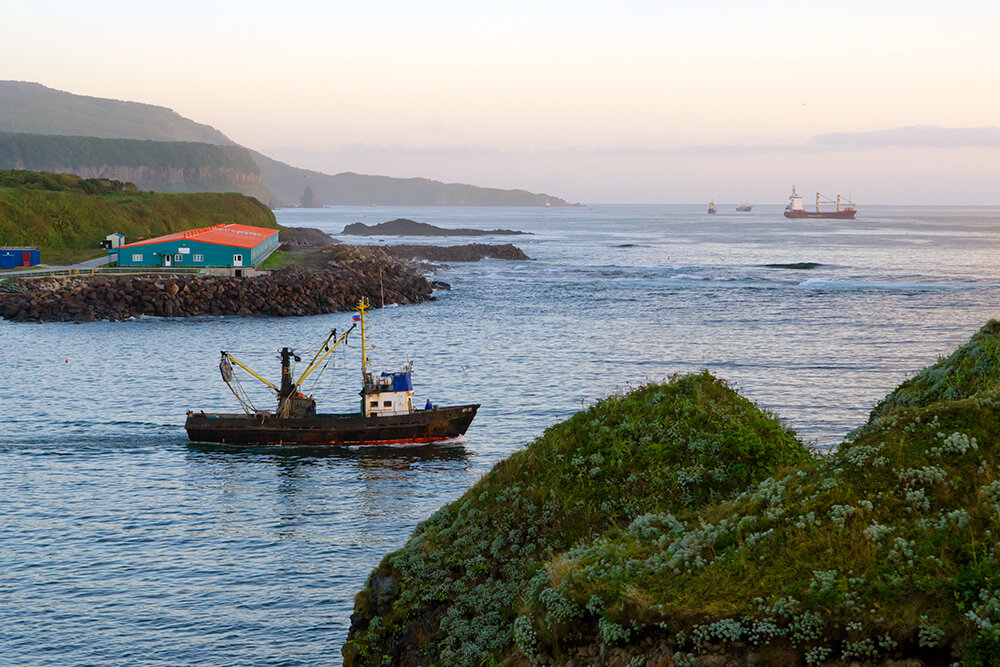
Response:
column 369, row 457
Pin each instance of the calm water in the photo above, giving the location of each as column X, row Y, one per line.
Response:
column 124, row 544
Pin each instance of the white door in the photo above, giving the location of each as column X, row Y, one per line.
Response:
column 166, row 259
column 237, row 260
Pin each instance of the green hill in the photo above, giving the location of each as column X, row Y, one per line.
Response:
column 728, row 546
column 67, row 217
column 31, row 108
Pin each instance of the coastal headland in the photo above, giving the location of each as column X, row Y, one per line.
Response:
column 679, row 524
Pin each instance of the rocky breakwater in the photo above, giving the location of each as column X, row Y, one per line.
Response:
column 282, row 293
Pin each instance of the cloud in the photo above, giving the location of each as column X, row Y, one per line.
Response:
column 914, row 136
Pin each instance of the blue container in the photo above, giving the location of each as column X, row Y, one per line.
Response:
column 11, row 258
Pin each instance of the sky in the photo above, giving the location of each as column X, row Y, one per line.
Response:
column 596, row 102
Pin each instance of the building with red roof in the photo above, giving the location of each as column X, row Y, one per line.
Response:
column 219, row 245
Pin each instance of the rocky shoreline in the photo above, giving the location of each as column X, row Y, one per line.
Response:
column 331, row 277
column 280, row 293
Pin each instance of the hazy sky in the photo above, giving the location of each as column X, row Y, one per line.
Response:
column 594, row 102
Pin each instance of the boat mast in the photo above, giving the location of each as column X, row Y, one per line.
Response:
column 363, row 305
column 287, row 386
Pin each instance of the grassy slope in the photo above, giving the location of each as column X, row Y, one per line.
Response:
column 886, row 548
column 33, row 108
column 888, row 544
column 662, row 448
column 70, row 216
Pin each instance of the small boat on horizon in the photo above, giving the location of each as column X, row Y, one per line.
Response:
column 711, row 207
column 386, row 415
column 744, row 208
column 796, row 210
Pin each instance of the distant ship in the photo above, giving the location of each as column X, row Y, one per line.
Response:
column 744, row 208
column 711, row 207
column 796, row 210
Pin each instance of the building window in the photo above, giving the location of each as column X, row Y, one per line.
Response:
column 177, row 257
column 199, row 258
column 374, row 404
column 137, row 257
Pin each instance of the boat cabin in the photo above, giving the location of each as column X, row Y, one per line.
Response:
column 796, row 202
column 388, row 394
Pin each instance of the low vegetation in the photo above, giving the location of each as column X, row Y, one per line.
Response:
column 677, row 521
column 452, row 594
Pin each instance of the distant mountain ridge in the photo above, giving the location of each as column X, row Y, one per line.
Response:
column 287, row 183
column 92, row 129
column 31, row 108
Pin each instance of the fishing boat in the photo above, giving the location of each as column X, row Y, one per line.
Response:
column 744, row 208
column 796, row 210
column 386, row 415
column 711, row 207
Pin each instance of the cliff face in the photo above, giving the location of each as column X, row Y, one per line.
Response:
column 162, row 166
column 168, row 179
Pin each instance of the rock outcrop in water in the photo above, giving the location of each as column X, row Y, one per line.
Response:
column 471, row 252
column 405, row 227
column 678, row 525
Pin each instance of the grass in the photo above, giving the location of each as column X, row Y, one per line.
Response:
column 280, row 258
column 681, row 512
column 664, row 447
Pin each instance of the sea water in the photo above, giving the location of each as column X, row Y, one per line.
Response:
column 123, row 543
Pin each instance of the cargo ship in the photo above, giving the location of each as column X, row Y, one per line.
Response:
column 796, row 210
column 386, row 415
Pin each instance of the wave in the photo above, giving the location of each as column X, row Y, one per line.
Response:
column 864, row 284
column 797, row 266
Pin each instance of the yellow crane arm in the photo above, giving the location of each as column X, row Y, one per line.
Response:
column 317, row 360
column 243, row 366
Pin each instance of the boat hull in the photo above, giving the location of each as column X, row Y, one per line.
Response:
column 834, row 215
column 418, row 427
